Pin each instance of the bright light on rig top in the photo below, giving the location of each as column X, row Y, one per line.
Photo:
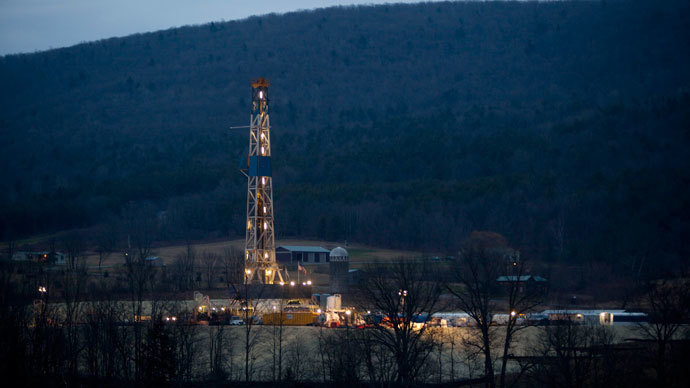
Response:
column 261, row 94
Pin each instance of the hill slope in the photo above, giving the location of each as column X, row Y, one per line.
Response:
column 561, row 125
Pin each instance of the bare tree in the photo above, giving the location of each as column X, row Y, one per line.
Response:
column 140, row 224
column 209, row 261
column 72, row 291
column 106, row 239
column 344, row 355
column 668, row 304
column 245, row 299
column 483, row 258
column 298, row 359
column 408, row 294
column 277, row 342
column 104, row 340
column 183, row 269
column 219, row 349
column 73, row 243
column 232, row 261
column 569, row 355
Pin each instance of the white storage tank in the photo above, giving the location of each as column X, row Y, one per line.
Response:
column 334, row 302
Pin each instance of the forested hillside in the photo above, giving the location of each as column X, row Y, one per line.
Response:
column 562, row 125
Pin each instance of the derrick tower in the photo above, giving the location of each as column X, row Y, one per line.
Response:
column 259, row 249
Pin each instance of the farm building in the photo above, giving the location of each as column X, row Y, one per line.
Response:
column 56, row 258
column 289, row 254
column 526, row 283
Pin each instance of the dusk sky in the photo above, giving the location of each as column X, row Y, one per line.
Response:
column 31, row 25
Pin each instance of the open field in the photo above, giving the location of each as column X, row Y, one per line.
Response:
column 359, row 254
column 304, row 342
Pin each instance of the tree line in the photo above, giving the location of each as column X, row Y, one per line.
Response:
column 75, row 334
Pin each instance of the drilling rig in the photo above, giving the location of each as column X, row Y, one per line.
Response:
column 260, row 255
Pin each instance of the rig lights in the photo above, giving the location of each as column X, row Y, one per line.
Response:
column 42, row 289
column 304, row 283
column 248, row 271
column 292, row 283
column 348, row 312
column 309, row 282
column 268, row 271
column 513, row 313
column 318, row 311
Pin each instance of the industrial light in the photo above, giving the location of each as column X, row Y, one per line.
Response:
column 304, row 283
column 263, row 181
column 249, row 272
column 513, row 313
column 309, row 282
column 348, row 312
column 368, row 312
column 292, row 283
column 261, row 94
column 282, row 283
column 264, row 209
column 265, row 255
column 318, row 311
column 268, row 271
column 265, row 226
column 263, row 150
column 174, row 318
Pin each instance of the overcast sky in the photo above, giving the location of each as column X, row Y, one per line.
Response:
column 30, row 25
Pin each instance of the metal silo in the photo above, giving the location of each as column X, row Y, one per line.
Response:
column 339, row 267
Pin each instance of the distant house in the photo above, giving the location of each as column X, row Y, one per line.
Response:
column 54, row 258
column 289, row 254
column 526, row 283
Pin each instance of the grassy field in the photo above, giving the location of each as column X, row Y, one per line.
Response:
column 359, row 254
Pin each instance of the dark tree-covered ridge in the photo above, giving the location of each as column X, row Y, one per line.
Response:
column 561, row 125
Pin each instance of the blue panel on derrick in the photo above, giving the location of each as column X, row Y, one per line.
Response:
column 260, row 166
